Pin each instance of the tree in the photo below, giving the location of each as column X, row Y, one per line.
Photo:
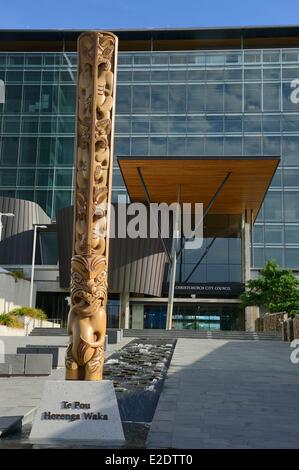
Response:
column 276, row 288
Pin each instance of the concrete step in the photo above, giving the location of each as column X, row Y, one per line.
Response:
column 237, row 335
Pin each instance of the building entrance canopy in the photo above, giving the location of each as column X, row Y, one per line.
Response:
column 243, row 181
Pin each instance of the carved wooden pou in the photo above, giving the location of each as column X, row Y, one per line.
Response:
column 95, row 131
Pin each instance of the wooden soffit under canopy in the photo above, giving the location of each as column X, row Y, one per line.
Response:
column 199, row 178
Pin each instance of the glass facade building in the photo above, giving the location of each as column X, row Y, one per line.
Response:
column 209, row 103
column 214, row 101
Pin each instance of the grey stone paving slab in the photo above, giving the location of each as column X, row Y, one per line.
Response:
column 17, row 361
column 5, row 370
column 228, row 394
column 38, row 364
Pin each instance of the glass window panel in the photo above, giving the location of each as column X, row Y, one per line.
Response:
column 271, row 96
column 159, row 76
column 277, row 179
column 141, row 99
column 196, row 75
column 66, row 125
column 232, row 97
column 290, row 73
column 290, row 97
column 67, row 99
column 68, row 76
column 177, row 98
column 199, row 274
column 215, row 59
column 34, row 59
column 50, row 76
column 48, row 125
column 65, row 151
column 177, row 125
column 218, row 252
column 215, row 74
column 290, row 56
column 234, row 245
column 159, row 98
column 159, row 124
column 28, row 152
column 141, row 75
column 13, row 98
column 62, row 198
column 142, row 59
column 271, row 123
column 258, row 234
column 122, row 146
column 291, row 258
column 26, row 194
column 233, row 74
column 158, row 146
column 139, row 146
column 290, row 123
column 290, row 150
column 291, row 178
column 271, row 56
column 160, row 59
column 140, row 125
column 252, row 56
column 273, row 234
column 122, row 125
column 178, row 59
column 274, row 253
column 252, row 145
column 49, row 101
column 30, row 125
column 214, row 98
column 117, row 178
column 271, row 73
column 233, row 124
column 124, row 75
column 11, row 124
column 125, row 59
column 233, row 146
column 252, row 97
column 10, row 147
column 63, row 178
column 252, row 73
column 32, row 76
column 217, row 273
column 235, row 273
column 252, row 124
column 291, row 234
column 26, row 177
column 31, row 99
column 8, row 178
column 214, row 146
column 14, row 76
column 291, row 206
column 15, row 59
column 272, row 145
column 196, row 98
column 49, row 247
column 273, row 206
column 44, row 177
column 258, row 257
column 195, row 146
column 177, row 75
column 176, row 146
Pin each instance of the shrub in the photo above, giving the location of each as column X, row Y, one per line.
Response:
column 29, row 312
column 10, row 320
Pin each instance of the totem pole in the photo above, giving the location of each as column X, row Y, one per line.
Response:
column 94, row 154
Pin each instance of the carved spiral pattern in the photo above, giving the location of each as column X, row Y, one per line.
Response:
column 95, row 109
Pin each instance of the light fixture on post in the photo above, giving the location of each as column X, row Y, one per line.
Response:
column 36, row 226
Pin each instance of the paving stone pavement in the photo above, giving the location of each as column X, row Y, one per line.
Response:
column 19, row 396
column 228, row 394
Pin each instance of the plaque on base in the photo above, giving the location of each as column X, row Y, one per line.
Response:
column 78, row 411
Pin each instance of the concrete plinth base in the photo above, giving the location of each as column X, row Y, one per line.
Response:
column 78, row 411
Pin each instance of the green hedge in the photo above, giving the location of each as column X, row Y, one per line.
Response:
column 29, row 312
column 10, row 320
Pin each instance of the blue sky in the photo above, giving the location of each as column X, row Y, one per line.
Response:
column 97, row 14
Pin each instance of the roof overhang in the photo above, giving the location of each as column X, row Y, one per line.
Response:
column 199, row 179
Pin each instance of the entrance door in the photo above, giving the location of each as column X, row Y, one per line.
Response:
column 207, row 317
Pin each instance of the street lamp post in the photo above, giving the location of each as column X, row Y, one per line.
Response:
column 4, row 214
column 33, row 262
